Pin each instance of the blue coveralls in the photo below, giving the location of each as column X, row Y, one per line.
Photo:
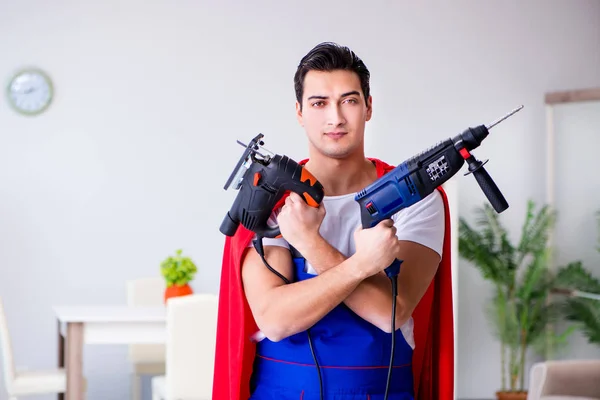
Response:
column 353, row 356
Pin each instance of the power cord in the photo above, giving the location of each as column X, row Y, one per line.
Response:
column 394, row 280
column 258, row 245
column 391, row 272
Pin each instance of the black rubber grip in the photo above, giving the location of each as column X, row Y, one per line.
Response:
column 491, row 191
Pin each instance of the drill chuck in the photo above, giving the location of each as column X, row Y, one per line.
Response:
column 471, row 138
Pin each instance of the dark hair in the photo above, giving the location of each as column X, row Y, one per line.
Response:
column 329, row 56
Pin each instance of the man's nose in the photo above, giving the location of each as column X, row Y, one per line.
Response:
column 336, row 116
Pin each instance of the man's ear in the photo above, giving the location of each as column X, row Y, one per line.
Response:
column 369, row 108
column 299, row 114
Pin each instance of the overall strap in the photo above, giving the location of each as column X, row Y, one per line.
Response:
column 295, row 253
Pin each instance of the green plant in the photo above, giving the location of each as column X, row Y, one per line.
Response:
column 585, row 312
column 178, row 270
column 519, row 310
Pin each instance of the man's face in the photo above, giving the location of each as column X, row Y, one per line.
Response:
column 334, row 112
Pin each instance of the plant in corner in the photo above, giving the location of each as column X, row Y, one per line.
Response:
column 519, row 311
column 178, row 271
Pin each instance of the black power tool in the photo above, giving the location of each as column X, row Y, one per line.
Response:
column 262, row 180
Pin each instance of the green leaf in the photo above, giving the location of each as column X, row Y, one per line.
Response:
column 178, row 270
column 586, row 314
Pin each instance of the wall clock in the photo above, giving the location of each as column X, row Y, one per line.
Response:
column 30, row 91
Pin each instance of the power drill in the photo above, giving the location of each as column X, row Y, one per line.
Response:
column 419, row 176
column 262, row 180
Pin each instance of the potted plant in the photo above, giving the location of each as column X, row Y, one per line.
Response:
column 178, row 271
column 519, row 310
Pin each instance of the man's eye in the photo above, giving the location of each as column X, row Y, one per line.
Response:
column 317, row 103
column 352, row 101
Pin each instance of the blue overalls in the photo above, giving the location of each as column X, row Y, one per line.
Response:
column 353, row 356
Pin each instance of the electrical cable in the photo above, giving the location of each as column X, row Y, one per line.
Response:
column 258, row 245
column 394, row 280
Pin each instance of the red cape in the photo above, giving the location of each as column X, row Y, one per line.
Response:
column 433, row 357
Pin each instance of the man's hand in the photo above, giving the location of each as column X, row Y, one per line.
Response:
column 377, row 247
column 299, row 223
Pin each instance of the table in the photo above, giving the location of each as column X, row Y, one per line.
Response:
column 102, row 325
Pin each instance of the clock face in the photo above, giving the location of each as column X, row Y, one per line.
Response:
column 30, row 92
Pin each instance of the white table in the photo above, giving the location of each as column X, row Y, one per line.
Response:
column 103, row 325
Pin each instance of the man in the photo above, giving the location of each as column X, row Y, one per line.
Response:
column 337, row 305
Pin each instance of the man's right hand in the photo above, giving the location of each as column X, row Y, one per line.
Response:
column 376, row 247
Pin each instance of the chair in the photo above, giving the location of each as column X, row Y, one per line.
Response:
column 26, row 382
column 565, row 380
column 146, row 359
column 191, row 341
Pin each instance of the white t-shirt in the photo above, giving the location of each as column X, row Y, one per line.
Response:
column 422, row 223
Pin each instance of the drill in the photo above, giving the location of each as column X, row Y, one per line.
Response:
column 262, row 180
column 420, row 175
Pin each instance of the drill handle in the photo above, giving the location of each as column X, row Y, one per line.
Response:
column 394, row 269
column 270, row 232
column 274, row 231
column 487, row 185
column 295, row 178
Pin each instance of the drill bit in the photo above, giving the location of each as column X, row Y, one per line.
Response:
column 503, row 118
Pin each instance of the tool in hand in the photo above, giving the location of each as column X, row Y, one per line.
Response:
column 418, row 177
column 262, row 180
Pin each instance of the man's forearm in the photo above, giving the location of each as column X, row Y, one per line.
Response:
column 289, row 309
column 371, row 299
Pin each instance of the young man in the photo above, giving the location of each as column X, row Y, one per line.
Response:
column 337, row 305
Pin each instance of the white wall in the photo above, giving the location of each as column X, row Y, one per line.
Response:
column 130, row 161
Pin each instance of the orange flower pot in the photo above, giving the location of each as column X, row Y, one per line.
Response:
column 511, row 395
column 177, row 291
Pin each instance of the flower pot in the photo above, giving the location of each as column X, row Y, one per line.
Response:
column 511, row 395
column 177, row 291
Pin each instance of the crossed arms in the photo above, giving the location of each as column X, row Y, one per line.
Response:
column 281, row 310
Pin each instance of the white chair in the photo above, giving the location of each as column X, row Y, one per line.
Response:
column 191, row 341
column 23, row 382
column 565, row 380
column 146, row 359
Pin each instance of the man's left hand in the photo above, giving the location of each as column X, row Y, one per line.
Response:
column 298, row 222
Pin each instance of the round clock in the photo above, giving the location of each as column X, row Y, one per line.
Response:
column 30, row 91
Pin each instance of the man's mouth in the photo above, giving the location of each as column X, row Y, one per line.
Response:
column 335, row 135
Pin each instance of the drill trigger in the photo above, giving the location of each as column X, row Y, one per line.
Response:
column 256, row 178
